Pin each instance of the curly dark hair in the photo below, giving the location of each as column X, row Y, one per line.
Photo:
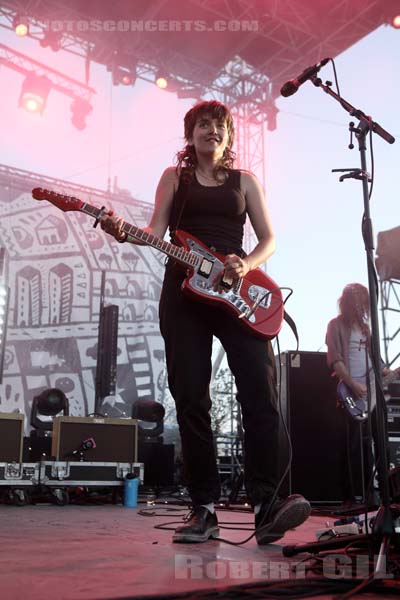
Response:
column 186, row 159
column 354, row 306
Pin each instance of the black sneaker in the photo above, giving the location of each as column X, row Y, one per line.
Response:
column 201, row 524
column 285, row 514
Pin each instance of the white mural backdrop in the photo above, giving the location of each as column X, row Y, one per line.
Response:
column 54, row 264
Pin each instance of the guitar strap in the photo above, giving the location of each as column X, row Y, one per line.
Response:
column 184, row 186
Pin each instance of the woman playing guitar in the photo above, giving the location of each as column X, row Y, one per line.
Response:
column 206, row 197
column 348, row 340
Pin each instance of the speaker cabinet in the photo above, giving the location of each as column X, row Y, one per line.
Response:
column 11, row 437
column 316, row 427
column 158, row 460
column 115, row 440
column 394, row 449
column 393, row 414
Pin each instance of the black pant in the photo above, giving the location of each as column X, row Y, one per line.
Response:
column 357, row 437
column 188, row 326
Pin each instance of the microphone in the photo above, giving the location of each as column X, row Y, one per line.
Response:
column 85, row 445
column 290, row 87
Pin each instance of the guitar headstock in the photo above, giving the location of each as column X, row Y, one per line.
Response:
column 63, row 202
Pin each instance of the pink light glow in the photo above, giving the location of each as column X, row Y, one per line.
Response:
column 32, row 104
column 161, row 82
column 396, row 22
column 21, row 29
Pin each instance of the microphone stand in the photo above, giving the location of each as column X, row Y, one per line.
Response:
column 383, row 527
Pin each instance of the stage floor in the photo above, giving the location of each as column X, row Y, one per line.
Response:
column 108, row 551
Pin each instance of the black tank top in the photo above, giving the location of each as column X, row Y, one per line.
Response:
column 215, row 214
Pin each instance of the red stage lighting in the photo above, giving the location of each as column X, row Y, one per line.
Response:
column 123, row 76
column 51, row 39
column 34, row 93
column 127, row 79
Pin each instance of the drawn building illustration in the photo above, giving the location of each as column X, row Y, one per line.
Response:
column 55, row 266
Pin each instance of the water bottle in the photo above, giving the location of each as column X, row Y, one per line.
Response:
column 131, row 490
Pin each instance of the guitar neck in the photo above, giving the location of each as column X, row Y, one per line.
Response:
column 183, row 256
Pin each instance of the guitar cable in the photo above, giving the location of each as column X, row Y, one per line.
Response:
column 268, row 293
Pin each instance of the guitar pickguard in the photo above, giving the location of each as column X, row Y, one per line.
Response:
column 205, row 274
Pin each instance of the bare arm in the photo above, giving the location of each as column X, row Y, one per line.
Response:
column 158, row 225
column 261, row 222
column 166, row 189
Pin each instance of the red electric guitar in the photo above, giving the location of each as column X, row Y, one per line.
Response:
column 255, row 299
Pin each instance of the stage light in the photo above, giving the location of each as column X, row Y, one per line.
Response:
column 271, row 112
column 80, row 109
column 126, row 74
column 161, row 80
column 391, row 13
column 127, row 79
column 149, row 412
column 396, row 21
column 51, row 39
column 21, row 26
column 34, row 93
column 49, row 403
column 123, row 76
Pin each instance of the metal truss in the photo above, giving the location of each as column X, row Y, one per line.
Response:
column 95, row 48
column 25, row 181
column 390, row 308
column 289, row 35
column 23, row 64
column 247, row 91
column 289, row 32
column 301, row 36
column 295, row 33
column 250, row 149
column 237, row 82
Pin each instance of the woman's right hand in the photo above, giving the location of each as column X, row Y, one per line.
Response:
column 359, row 389
column 113, row 224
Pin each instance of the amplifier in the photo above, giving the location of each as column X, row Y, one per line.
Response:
column 394, row 390
column 11, row 437
column 308, row 402
column 393, row 415
column 95, row 439
column 158, row 460
column 394, row 450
